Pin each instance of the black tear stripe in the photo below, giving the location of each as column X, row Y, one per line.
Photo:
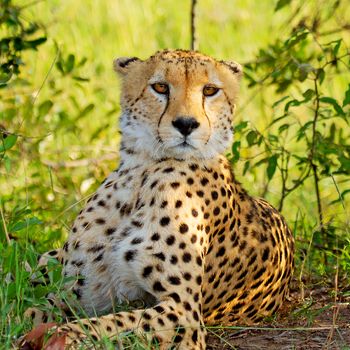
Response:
column 139, row 97
column 161, row 117
column 203, row 99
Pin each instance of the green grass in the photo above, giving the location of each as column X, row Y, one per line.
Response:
column 67, row 122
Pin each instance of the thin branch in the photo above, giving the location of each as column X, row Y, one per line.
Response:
column 46, row 76
column 29, row 4
column 193, row 25
column 314, row 166
column 79, row 162
column 312, row 154
column 336, row 30
column 299, row 182
column 6, row 132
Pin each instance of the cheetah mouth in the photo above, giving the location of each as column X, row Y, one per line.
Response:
column 185, row 145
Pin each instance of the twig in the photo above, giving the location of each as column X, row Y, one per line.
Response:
column 46, row 76
column 222, row 339
column 193, row 26
column 79, row 162
column 29, row 4
column 44, row 81
column 336, row 30
column 336, row 307
column 291, row 329
column 25, row 137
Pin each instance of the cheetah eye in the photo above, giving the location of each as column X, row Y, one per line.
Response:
column 210, row 90
column 161, row 88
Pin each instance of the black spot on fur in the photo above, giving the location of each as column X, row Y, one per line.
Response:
column 158, row 287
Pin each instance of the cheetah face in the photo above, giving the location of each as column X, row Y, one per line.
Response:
column 178, row 104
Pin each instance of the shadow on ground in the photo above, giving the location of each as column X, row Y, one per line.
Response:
column 319, row 320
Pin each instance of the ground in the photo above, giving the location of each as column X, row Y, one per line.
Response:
column 318, row 322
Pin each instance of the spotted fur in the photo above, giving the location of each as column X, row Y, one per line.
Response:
column 172, row 226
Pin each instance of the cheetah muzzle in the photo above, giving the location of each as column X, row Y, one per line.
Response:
column 171, row 226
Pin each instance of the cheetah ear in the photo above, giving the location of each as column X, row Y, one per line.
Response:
column 234, row 67
column 122, row 64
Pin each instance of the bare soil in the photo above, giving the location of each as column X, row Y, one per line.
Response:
column 319, row 319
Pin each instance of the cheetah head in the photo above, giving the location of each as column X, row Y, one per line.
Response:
column 178, row 104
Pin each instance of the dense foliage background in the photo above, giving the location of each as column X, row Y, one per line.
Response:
column 59, row 112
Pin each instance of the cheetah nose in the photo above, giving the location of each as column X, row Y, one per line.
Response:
column 185, row 125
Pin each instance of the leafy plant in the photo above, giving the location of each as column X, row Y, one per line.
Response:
column 17, row 35
column 308, row 137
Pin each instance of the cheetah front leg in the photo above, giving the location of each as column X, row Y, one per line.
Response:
column 175, row 320
column 167, row 262
column 167, row 324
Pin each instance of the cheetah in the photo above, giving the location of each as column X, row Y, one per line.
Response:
column 172, row 226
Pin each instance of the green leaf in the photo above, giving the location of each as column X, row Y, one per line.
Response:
column 277, row 120
column 308, row 94
column 5, row 77
column 59, row 66
column 336, row 46
column 77, row 78
column 235, row 151
column 283, row 127
column 11, row 290
column 304, row 70
column 279, row 101
column 334, row 103
column 281, row 3
column 332, row 131
column 8, row 142
column 240, row 126
column 272, row 138
column 341, row 197
column 85, row 111
column 70, row 63
column 55, row 269
column 261, row 161
column 250, row 78
column 251, row 137
column 347, row 97
column 296, row 38
column 32, row 44
column 7, row 162
column 82, row 62
column 40, row 291
column 301, row 132
column 45, row 107
column 345, row 164
column 321, row 75
column 24, row 224
column 246, row 167
column 292, row 103
column 271, row 166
